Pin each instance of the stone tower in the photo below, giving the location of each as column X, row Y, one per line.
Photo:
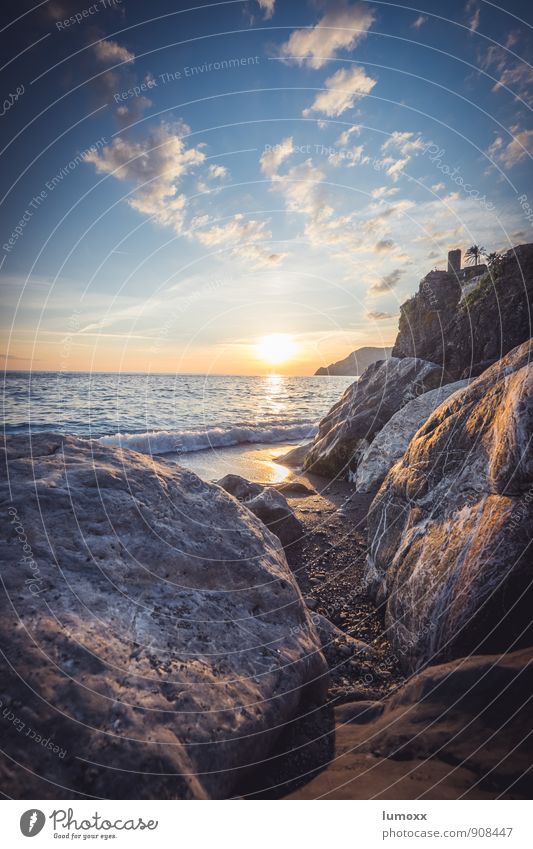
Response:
column 454, row 261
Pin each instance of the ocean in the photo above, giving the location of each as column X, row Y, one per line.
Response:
column 210, row 423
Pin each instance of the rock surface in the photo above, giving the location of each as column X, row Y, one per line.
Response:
column 295, row 458
column 267, row 504
column 334, row 640
column 356, row 362
column 353, row 422
column 468, row 335
column 458, row 730
column 391, row 442
column 241, row 488
column 294, row 488
column 155, row 638
column 450, row 527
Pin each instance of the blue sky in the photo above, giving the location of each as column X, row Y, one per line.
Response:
column 180, row 182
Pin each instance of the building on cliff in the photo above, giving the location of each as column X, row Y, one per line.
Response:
column 467, row 319
column 462, row 275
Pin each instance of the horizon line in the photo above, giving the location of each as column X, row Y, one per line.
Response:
column 166, row 373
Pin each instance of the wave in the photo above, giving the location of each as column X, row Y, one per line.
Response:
column 186, row 441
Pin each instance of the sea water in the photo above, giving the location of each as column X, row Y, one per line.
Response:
column 175, row 416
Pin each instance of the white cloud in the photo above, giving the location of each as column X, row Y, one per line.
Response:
column 121, row 76
column 384, row 245
column 474, row 21
column 303, row 194
column 344, row 235
column 327, row 230
column 355, row 233
column 383, row 192
column 394, row 167
column 258, row 256
column 387, row 282
column 341, row 28
column 518, row 78
column 344, row 137
column 512, row 74
column 300, row 187
column 155, row 166
column 350, row 157
column 299, row 184
column 438, row 187
column 218, row 172
column 272, row 159
column 240, row 235
column 419, row 22
column 509, row 154
column 406, row 143
column 379, row 315
column 374, row 225
column 214, row 172
column 343, row 89
column 112, row 51
column 267, row 6
column 237, row 229
column 472, row 9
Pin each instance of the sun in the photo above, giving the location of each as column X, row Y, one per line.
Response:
column 276, row 348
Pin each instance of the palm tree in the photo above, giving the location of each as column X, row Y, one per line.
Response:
column 494, row 260
column 473, row 254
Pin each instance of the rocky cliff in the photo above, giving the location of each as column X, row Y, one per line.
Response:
column 450, row 529
column 353, row 422
column 466, row 329
column 393, row 439
column 356, row 362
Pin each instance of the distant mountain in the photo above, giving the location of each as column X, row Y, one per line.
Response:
column 356, row 362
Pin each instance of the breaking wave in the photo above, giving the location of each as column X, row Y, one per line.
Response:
column 186, row 441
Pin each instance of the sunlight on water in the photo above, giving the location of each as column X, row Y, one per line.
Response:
column 177, row 414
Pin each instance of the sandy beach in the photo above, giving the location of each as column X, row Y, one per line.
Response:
column 328, row 563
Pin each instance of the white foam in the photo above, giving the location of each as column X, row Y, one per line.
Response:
column 184, row 442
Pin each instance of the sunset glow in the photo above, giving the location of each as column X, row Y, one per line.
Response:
column 276, row 348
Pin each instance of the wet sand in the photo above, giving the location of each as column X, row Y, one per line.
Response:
column 253, row 462
column 328, row 563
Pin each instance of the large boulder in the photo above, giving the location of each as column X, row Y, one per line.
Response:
column 450, row 529
column 268, row 504
column 155, row 642
column 391, row 442
column 466, row 331
column 241, row 488
column 353, row 422
column 457, row 730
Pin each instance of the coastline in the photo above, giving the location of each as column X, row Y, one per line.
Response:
column 325, row 702
column 328, row 564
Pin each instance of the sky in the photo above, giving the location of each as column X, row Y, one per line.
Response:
column 181, row 180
